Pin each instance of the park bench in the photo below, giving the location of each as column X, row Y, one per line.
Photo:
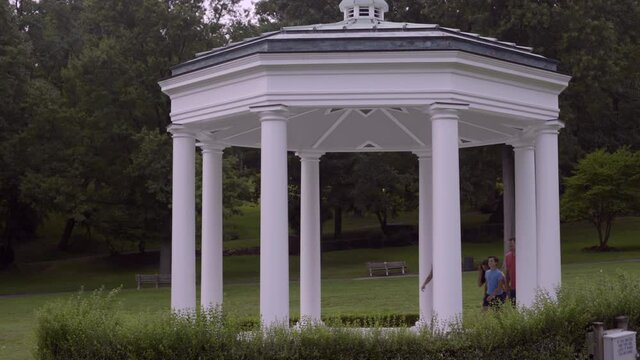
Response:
column 387, row 266
column 156, row 279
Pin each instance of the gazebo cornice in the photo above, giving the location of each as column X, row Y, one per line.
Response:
column 229, row 89
column 255, row 65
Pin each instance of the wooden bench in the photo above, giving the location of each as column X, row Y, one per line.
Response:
column 156, row 279
column 387, row 266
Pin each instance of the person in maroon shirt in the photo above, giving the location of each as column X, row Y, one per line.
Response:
column 510, row 265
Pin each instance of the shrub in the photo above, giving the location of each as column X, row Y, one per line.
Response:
column 91, row 326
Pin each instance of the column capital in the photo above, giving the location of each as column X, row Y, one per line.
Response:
column 445, row 110
column 180, row 131
column 309, row 155
column 551, row 127
column 271, row 112
column 211, row 147
column 443, row 106
column 522, row 143
column 447, row 106
column 423, row 154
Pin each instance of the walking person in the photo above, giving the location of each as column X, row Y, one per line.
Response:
column 427, row 280
column 495, row 294
column 482, row 280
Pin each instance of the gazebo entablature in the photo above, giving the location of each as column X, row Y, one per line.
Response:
column 363, row 85
column 504, row 98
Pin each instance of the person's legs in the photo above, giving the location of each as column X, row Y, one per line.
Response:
column 485, row 302
column 498, row 301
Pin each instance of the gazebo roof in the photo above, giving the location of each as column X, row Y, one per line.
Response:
column 364, row 84
column 363, row 35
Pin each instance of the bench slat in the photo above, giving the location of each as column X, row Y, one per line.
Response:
column 156, row 279
column 386, row 266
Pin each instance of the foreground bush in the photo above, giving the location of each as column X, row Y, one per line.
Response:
column 91, row 326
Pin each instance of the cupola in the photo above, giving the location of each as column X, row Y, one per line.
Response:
column 364, row 9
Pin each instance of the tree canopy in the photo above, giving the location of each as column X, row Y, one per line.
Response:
column 83, row 121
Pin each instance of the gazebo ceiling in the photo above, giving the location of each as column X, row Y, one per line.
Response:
column 363, row 129
column 365, row 84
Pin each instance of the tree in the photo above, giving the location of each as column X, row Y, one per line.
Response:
column 95, row 112
column 53, row 29
column 383, row 186
column 107, row 59
column 291, row 13
column 604, row 186
column 51, row 148
column 480, row 169
column 597, row 47
column 18, row 220
column 336, row 181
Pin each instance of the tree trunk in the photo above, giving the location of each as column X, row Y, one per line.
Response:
column 63, row 245
column 337, row 222
column 165, row 256
column 382, row 219
column 607, row 232
column 603, row 223
column 7, row 255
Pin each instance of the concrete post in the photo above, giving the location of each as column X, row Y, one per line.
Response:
column 598, row 348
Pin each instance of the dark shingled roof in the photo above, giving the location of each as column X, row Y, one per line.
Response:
column 367, row 35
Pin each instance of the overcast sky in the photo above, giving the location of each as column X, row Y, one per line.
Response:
column 247, row 3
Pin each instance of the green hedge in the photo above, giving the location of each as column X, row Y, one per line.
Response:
column 92, row 326
column 349, row 320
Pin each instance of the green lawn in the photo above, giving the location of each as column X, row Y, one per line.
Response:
column 345, row 286
column 339, row 296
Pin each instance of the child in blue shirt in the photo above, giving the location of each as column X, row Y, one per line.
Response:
column 495, row 295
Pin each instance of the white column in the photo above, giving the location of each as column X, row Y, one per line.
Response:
column 425, row 240
column 548, row 215
column 526, row 252
column 447, row 248
column 211, row 278
column 310, row 237
column 183, row 223
column 274, row 228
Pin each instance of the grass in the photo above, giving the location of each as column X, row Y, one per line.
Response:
column 339, row 296
column 343, row 289
column 625, row 238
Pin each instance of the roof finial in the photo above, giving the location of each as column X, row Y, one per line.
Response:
column 364, row 9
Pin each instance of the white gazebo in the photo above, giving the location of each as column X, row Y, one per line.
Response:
column 363, row 85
